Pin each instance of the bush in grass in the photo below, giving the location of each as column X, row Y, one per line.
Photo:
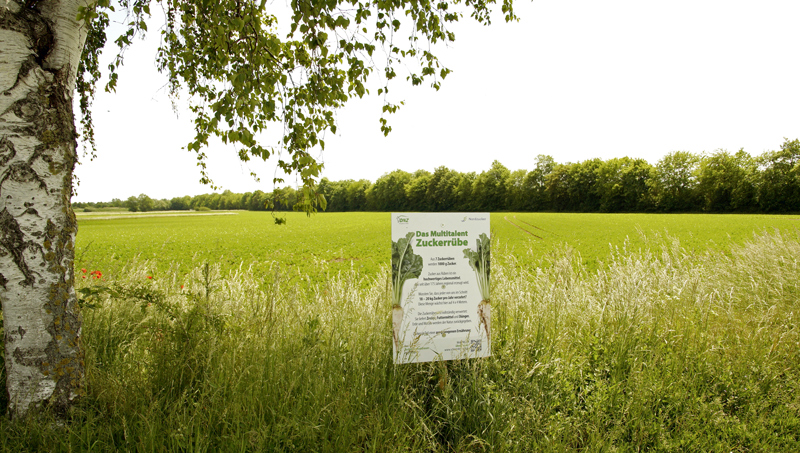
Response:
column 661, row 350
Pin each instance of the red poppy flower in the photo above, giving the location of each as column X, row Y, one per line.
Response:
column 83, row 269
column 149, row 277
column 181, row 286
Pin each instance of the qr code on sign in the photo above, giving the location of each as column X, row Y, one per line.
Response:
column 475, row 345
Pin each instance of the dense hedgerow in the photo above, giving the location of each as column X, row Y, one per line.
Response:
column 661, row 350
column 679, row 182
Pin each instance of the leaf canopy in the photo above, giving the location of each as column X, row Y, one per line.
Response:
column 243, row 77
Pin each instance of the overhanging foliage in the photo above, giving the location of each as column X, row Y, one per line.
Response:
column 243, row 77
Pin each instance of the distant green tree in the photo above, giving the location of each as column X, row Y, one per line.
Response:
column 213, row 201
column 161, row 204
column 417, row 191
column 489, row 188
column 132, row 203
column 229, row 200
column 200, row 201
column 258, row 201
column 674, row 185
column 535, row 188
column 389, row 192
column 336, row 194
column 180, row 203
column 726, row 182
column 516, row 196
column 145, row 203
column 356, row 193
column 291, row 197
column 623, row 185
column 443, row 189
column 465, row 199
column 572, row 186
column 779, row 182
column 558, row 183
column 244, row 200
column 324, row 187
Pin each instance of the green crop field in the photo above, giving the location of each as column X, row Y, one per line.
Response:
column 533, row 235
column 330, row 242
column 309, row 246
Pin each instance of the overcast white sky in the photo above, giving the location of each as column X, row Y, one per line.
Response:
column 574, row 79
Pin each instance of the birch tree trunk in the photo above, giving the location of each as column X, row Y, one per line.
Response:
column 40, row 47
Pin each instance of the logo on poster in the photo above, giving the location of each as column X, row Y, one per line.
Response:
column 402, row 219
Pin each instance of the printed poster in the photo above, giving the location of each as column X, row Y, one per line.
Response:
column 440, row 280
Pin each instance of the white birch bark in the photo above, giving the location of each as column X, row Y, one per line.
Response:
column 40, row 47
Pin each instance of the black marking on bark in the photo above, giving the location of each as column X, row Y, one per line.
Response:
column 64, row 354
column 21, row 332
column 29, row 209
column 59, row 240
column 25, row 357
column 61, row 100
column 40, row 33
column 7, row 151
column 30, row 108
column 3, row 281
column 29, row 22
column 22, row 172
column 12, row 239
column 45, row 108
column 13, row 22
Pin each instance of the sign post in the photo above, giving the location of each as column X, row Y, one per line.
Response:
column 440, row 279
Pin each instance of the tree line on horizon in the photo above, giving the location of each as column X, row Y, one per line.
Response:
column 680, row 182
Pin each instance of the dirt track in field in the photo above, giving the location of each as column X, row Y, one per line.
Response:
column 521, row 228
column 534, row 226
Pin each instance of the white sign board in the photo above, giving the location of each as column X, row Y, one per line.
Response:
column 440, row 280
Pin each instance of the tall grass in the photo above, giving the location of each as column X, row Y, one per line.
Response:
column 661, row 350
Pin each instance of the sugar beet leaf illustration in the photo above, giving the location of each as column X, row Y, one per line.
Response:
column 405, row 265
column 480, row 262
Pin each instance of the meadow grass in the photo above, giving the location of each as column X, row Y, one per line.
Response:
column 662, row 349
